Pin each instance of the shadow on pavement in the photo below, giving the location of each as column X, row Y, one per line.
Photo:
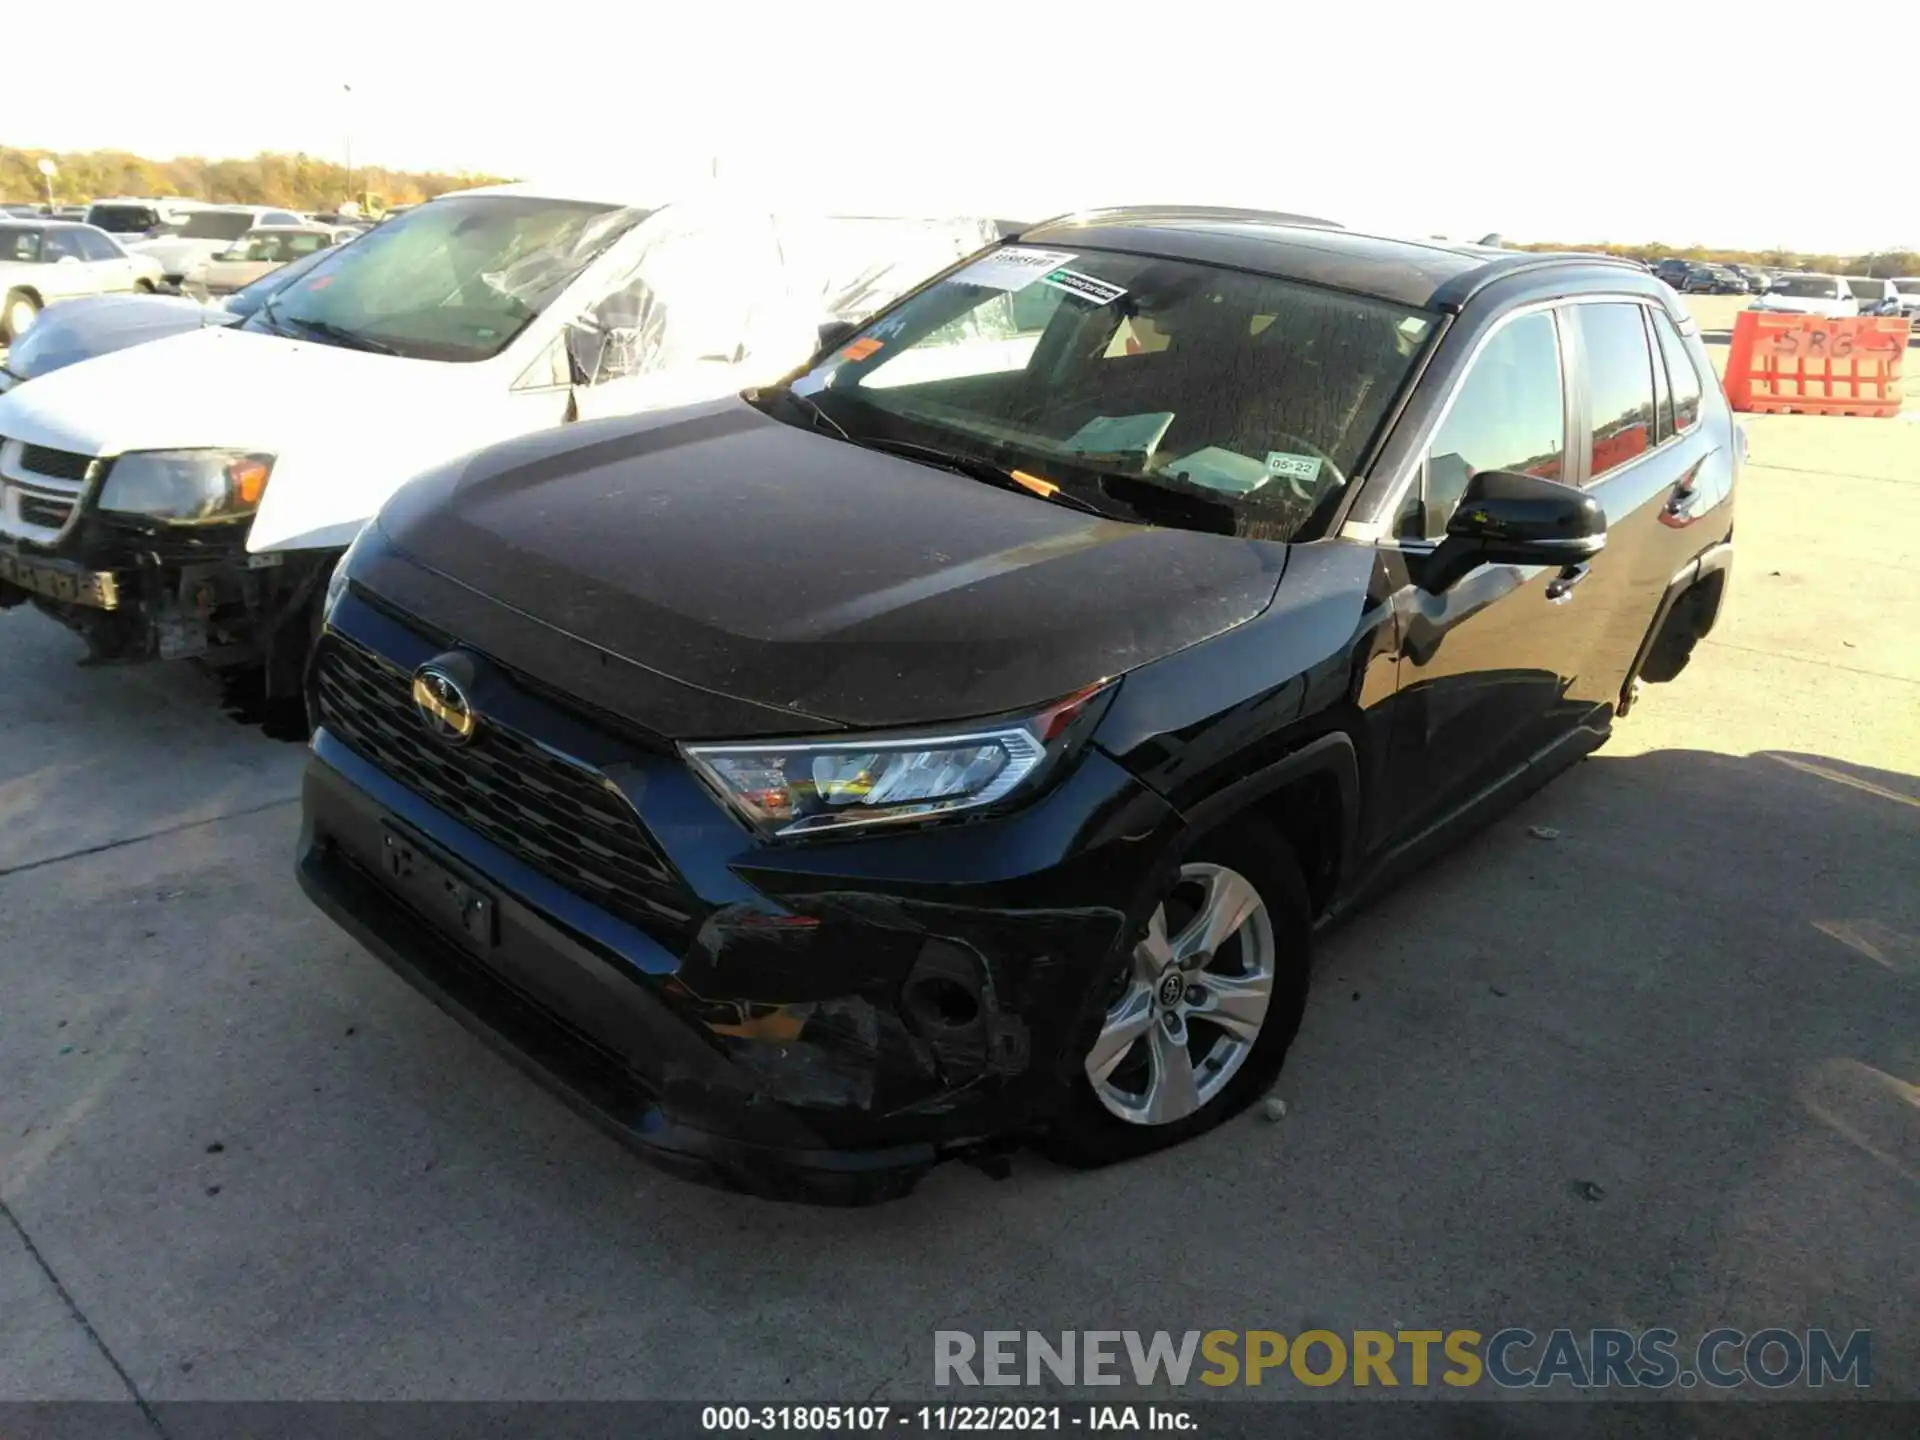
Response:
column 1642, row 1053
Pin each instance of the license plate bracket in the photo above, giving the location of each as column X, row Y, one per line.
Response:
column 59, row 581
column 433, row 886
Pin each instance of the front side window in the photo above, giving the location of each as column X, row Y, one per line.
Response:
column 22, row 247
column 95, row 247
column 693, row 294
column 1509, row 413
column 1152, row 388
column 1619, row 372
column 58, row 245
column 454, row 280
column 1683, row 376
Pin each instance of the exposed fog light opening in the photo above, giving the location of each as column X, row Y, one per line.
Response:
column 941, row 1002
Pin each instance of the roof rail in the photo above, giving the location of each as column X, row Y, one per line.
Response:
column 1500, row 264
column 1140, row 213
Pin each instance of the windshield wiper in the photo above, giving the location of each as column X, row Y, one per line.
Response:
column 327, row 330
column 989, row 471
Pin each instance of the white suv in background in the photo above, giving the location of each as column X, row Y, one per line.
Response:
column 1907, row 287
column 204, row 234
column 1802, row 294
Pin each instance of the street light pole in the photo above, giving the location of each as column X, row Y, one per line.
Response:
column 347, row 108
column 47, row 170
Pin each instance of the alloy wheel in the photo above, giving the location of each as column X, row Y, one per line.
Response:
column 1194, row 999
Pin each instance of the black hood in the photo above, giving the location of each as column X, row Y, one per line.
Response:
column 779, row 566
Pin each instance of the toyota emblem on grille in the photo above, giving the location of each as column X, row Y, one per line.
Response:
column 443, row 704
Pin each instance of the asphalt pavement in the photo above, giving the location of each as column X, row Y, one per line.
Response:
column 1643, row 1053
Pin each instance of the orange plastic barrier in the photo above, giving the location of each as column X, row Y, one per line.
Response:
column 1815, row 366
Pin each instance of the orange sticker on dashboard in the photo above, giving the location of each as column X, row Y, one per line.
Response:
column 860, row 349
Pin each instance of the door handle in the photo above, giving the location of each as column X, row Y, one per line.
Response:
column 1560, row 588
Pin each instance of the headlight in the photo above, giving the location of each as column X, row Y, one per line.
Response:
column 186, row 486
column 804, row 787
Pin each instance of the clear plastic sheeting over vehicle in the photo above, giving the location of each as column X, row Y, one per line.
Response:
column 713, row 282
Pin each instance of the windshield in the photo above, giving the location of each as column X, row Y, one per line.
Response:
column 123, row 219
column 1865, row 289
column 455, row 280
column 1908, row 284
column 1808, row 287
column 216, row 225
column 1155, row 389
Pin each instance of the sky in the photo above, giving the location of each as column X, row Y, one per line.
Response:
column 1540, row 121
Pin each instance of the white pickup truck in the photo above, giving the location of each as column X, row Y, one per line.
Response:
column 189, row 497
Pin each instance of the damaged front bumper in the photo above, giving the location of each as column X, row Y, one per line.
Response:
column 820, row 1022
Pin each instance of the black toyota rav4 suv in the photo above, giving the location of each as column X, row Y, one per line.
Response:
column 959, row 743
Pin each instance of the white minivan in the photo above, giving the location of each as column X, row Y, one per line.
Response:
column 189, row 497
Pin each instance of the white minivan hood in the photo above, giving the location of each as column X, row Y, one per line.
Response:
column 347, row 427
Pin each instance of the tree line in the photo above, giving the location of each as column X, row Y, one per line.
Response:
column 1882, row 262
column 295, row 182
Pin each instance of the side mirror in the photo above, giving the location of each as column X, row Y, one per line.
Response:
column 833, row 333
column 1507, row 518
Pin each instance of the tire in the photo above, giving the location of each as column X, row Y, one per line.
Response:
column 1103, row 1121
column 143, row 287
column 17, row 315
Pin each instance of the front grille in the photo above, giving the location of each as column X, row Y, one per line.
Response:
column 558, row 816
column 51, row 514
column 57, row 464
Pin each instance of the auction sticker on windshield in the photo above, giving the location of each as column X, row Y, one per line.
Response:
column 1013, row 268
column 1085, row 287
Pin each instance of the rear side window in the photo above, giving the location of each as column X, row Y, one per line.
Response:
column 1683, row 379
column 1508, row 414
column 1619, row 369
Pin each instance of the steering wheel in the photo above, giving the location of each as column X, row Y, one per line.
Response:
column 1330, row 473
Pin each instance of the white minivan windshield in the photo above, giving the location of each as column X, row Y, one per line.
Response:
column 454, row 280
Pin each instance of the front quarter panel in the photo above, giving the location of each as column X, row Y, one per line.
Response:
column 1320, row 659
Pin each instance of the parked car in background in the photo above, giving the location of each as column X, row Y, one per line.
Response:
column 1907, row 287
column 1873, row 296
column 1756, row 279
column 77, row 330
column 1673, row 271
column 260, row 250
column 1809, row 294
column 220, row 473
column 1713, row 280
column 134, row 218
column 204, row 234
column 42, row 261
column 984, row 717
